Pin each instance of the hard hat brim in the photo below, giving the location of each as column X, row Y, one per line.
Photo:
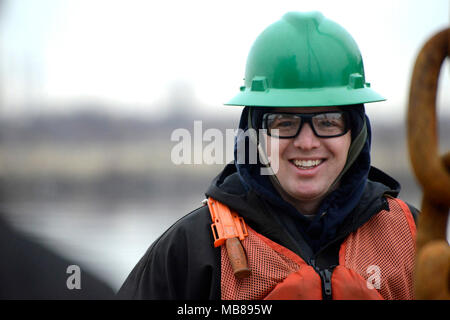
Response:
column 305, row 97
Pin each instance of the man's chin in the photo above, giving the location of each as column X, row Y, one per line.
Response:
column 307, row 196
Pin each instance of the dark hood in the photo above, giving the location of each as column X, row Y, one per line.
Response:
column 242, row 188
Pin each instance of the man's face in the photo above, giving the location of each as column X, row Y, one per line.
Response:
column 308, row 165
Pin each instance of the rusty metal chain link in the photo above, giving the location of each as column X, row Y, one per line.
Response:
column 432, row 272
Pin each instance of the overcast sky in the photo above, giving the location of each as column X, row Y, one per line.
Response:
column 57, row 53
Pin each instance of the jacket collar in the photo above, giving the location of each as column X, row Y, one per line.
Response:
column 285, row 229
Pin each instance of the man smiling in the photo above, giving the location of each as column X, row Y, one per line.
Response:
column 324, row 224
column 312, row 153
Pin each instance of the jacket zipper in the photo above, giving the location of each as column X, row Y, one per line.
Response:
column 325, row 277
column 325, row 274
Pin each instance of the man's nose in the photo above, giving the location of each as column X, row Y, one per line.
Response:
column 306, row 139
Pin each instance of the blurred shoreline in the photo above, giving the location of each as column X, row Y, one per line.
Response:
column 90, row 155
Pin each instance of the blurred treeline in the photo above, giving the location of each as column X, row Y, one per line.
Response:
column 95, row 156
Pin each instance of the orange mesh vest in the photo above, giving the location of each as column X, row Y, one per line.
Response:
column 375, row 262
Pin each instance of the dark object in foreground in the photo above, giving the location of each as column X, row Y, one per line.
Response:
column 30, row 271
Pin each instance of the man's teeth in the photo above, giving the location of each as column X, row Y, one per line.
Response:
column 307, row 163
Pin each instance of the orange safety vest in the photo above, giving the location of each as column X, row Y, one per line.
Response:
column 375, row 262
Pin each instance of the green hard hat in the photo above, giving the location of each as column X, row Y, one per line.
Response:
column 304, row 60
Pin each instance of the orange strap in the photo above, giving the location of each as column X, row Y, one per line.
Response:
column 228, row 228
column 226, row 224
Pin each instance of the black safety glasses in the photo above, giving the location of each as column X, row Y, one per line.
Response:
column 287, row 125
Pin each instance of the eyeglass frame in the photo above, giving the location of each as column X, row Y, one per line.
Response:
column 307, row 118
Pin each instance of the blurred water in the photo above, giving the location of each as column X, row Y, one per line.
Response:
column 106, row 239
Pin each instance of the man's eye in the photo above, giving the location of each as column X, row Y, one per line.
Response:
column 328, row 123
column 283, row 124
column 286, row 123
